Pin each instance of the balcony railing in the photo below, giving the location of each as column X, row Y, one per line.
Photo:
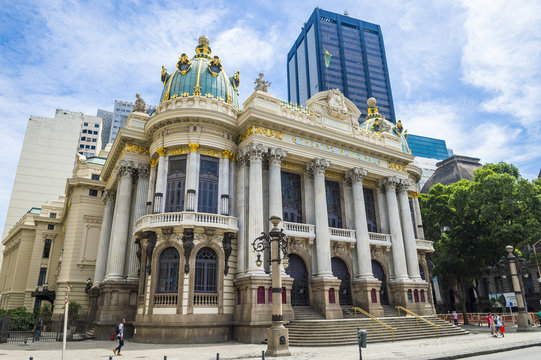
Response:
column 165, row 300
column 425, row 245
column 202, row 299
column 347, row 235
column 186, row 218
column 299, row 230
column 379, row 239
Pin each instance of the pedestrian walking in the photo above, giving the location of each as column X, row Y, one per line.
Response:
column 488, row 320
column 539, row 314
column 37, row 329
column 497, row 324
column 455, row 318
column 492, row 327
column 120, row 337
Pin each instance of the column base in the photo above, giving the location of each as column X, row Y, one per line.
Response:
column 277, row 342
column 117, row 300
column 252, row 318
column 322, row 297
column 403, row 294
column 523, row 322
column 366, row 295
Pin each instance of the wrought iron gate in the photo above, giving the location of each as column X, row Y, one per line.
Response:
column 297, row 270
column 340, row 270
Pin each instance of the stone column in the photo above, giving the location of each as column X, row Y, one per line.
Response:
column 242, row 241
column 407, row 231
column 161, row 182
column 192, row 178
column 120, row 229
column 140, row 197
column 232, row 190
column 382, row 208
column 364, row 260
column 151, row 187
column 275, row 182
column 418, row 217
column 255, row 203
column 323, row 244
column 399, row 258
column 224, row 183
column 105, row 234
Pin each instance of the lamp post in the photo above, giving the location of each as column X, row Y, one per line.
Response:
column 277, row 335
column 509, row 262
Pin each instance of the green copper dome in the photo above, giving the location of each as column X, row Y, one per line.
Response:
column 203, row 75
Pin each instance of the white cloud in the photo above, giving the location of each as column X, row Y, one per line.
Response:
column 503, row 56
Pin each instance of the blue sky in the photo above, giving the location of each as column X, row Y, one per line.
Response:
column 468, row 72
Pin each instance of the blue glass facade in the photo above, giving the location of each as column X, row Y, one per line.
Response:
column 427, row 147
column 358, row 66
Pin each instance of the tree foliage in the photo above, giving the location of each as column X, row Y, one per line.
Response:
column 471, row 222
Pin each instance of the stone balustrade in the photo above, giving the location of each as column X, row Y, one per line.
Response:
column 380, row 239
column 346, row 235
column 425, row 245
column 292, row 229
column 186, row 218
column 201, row 299
column 165, row 300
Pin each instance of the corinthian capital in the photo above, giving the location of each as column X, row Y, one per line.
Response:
column 143, row 170
column 381, row 185
column 391, row 183
column 108, row 195
column 275, row 156
column 356, row 175
column 255, row 151
column 125, row 168
column 404, row 185
column 318, row 166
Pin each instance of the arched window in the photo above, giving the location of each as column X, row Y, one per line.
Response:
column 374, row 296
column 168, row 271
column 423, row 296
column 261, row 295
column 291, row 197
column 334, row 205
column 410, row 296
column 206, row 276
column 416, row 295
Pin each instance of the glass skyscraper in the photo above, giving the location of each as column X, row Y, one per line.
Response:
column 358, row 66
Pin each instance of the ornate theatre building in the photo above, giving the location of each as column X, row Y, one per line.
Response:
column 191, row 186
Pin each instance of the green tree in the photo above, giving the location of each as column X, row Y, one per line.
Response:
column 471, row 222
column 73, row 309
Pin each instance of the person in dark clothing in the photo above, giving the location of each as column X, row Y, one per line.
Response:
column 120, row 337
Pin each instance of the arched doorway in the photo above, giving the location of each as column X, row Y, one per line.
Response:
column 297, row 270
column 379, row 274
column 340, row 270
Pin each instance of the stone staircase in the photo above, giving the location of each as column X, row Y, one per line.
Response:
column 389, row 311
column 306, row 313
column 344, row 331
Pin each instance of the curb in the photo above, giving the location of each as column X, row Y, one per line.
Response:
column 487, row 352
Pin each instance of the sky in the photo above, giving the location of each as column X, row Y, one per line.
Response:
column 468, row 72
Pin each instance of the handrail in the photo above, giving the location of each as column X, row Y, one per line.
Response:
column 374, row 319
column 418, row 317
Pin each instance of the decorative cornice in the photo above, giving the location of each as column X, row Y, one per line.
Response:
column 161, row 151
column 318, row 166
column 275, row 156
column 334, row 175
column 135, row 149
column 193, row 147
column 398, row 167
column 210, row 152
column 356, row 175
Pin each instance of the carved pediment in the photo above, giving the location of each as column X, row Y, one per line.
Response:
column 335, row 110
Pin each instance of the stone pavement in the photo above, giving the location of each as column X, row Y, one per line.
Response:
column 435, row 348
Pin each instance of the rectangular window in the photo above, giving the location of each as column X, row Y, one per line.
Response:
column 334, row 205
column 291, row 197
column 95, row 133
column 93, row 192
column 95, row 177
column 370, row 210
column 42, row 276
column 85, row 124
column 97, row 125
column 84, row 131
column 93, row 147
column 94, row 140
column 87, row 146
column 47, row 248
column 207, row 201
column 176, row 184
column 50, row 227
column 81, row 146
column 83, row 138
column 52, row 215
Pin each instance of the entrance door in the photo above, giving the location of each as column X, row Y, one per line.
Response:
column 340, row 270
column 379, row 274
column 297, row 270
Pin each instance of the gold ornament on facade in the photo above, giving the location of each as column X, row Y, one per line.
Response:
column 209, row 95
column 161, row 151
column 135, row 149
column 183, row 64
column 166, row 96
column 397, row 167
column 215, row 66
column 292, row 166
column 334, row 175
column 193, row 147
column 153, row 163
column 261, row 131
column 178, row 151
column 226, row 154
column 210, row 152
column 197, row 90
column 164, row 75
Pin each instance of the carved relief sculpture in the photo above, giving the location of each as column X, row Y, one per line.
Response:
column 187, row 244
column 151, row 243
column 139, row 104
column 226, row 244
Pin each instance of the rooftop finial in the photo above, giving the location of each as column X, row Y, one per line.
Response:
column 203, row 48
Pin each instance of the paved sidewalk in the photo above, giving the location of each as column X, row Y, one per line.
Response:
column 437, row 348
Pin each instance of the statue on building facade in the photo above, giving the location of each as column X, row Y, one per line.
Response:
column 261, row 85
column 139, row 104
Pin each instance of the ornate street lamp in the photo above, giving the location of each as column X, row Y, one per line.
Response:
column 515, row 266
column 276, row 240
